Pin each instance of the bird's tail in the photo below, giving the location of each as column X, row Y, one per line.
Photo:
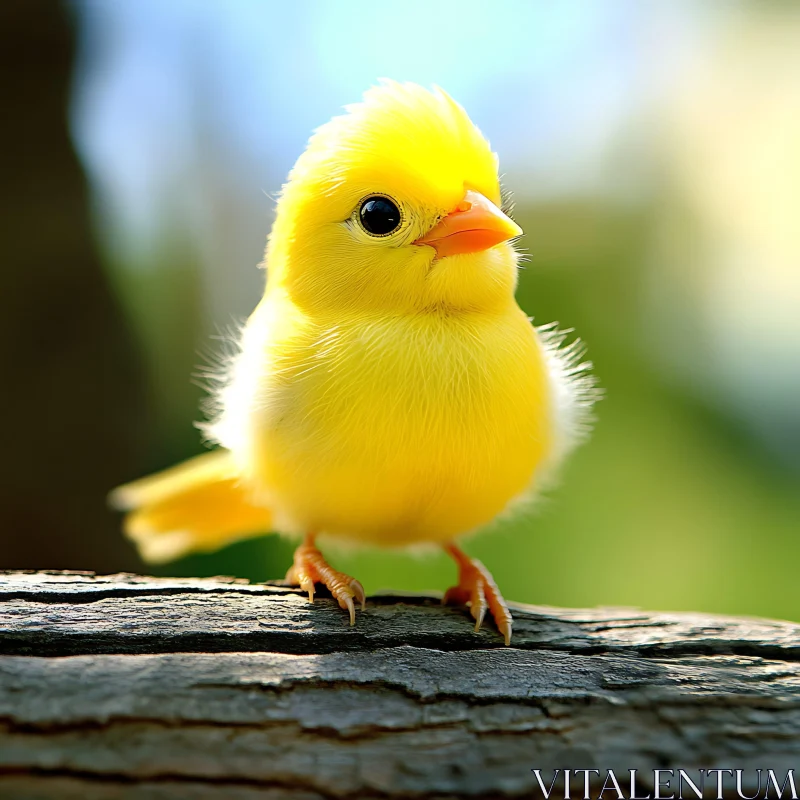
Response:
column 197, row 506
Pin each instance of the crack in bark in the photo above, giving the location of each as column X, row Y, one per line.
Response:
column 58, row 643
column 167, row 778
column 181, row 783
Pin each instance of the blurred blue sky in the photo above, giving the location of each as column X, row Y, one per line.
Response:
column 551, row 84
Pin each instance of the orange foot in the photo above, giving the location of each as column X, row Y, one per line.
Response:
column 310, row 567
column 476, row 586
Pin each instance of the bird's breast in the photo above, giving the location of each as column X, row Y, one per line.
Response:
column 393, row 429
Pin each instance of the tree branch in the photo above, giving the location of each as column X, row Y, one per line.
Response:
column 222, row 689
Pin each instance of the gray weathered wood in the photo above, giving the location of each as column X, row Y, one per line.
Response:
column 131, row 687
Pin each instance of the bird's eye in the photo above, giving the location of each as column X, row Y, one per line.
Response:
column 379, row 215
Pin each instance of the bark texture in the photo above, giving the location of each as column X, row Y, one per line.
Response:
column 131, row 687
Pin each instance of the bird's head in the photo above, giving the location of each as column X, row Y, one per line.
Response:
column 394, row 207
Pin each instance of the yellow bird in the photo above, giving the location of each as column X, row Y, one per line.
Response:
column 387, row 389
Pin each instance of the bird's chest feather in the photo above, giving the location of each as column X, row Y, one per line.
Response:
column 397, row 417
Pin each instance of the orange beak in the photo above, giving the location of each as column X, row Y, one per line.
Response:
column 475, row 224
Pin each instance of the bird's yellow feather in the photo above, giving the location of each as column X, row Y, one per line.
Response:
column 198, row 506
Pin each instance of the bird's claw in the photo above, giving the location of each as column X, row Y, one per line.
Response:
column 345, row 595
column 358, row 593
column 477, row 587
column 310, row 567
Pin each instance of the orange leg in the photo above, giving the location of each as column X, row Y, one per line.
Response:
column 310, row 567
column 476, row 586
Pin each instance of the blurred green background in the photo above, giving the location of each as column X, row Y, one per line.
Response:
column 654, row 151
